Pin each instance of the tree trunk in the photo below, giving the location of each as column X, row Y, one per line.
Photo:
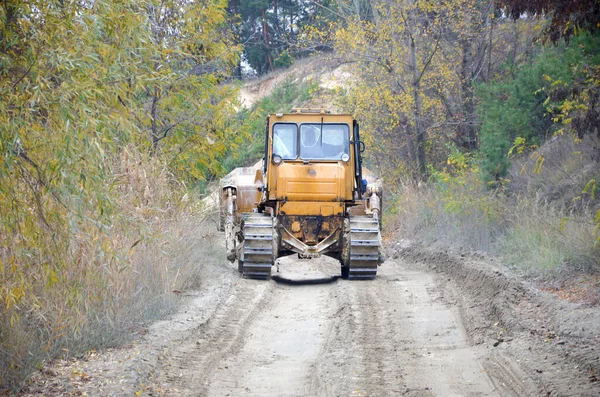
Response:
column 411, row 155
column 275, row 11
column 419, row 130
column 407, row 144
column 467, row 130
column 489, row 72
column 154, row 126
column 268, row 56
column 515, row 48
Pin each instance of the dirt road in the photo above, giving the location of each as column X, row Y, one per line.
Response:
column 393, row 336
column 431, row 324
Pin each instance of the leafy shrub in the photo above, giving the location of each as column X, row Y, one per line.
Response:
column 529, row 105
column 284, row 60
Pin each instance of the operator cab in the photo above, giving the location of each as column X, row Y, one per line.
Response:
column 311, row 141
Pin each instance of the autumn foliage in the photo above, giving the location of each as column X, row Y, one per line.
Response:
column 113, row 115
column 109, row 110
column 473, row 80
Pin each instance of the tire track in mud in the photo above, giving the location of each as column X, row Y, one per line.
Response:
column 285, row 339
column 263, row 340
column 282, row 346
column 395, row 336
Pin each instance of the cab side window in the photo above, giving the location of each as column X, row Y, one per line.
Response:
column 285, row 141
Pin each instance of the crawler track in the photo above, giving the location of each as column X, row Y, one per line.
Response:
column 257, row 251
column 365, row 242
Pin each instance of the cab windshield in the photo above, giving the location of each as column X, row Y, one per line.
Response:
column 324, row 141
column 315, row 141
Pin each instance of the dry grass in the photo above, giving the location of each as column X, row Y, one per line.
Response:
column 552, row 217
column 456, row 216
column 100, row 283
column 568, row 166
column 536, row 237
column 543, row 240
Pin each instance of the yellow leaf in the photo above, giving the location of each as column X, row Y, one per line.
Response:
column 591, row 185
column 563, row 222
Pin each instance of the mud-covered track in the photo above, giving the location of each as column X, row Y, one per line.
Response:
column 257, row 250
column 365, row 242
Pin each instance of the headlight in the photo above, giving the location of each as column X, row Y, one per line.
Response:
column 276, row 159
column 345, row 157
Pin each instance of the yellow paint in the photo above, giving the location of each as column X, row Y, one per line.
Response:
column 315, row 187
column 326, row 210
column 310, row 208
column 322, row 182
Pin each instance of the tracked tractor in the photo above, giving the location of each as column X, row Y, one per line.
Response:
column 308, row 197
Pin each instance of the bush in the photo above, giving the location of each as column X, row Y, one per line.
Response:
column 541, row 241
column 284, row 60
column 529, row 104
column 95, row 283
column 453, row 209
column 534, row 237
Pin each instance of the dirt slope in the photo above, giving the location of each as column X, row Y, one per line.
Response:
column 551, row 344
column 329, row 75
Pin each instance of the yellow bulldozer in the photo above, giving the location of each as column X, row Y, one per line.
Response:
column 308, row 197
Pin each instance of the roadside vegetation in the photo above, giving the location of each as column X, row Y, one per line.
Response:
column 115, row 117
column 483, row 126
column 111, row 113
column 530, row 193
